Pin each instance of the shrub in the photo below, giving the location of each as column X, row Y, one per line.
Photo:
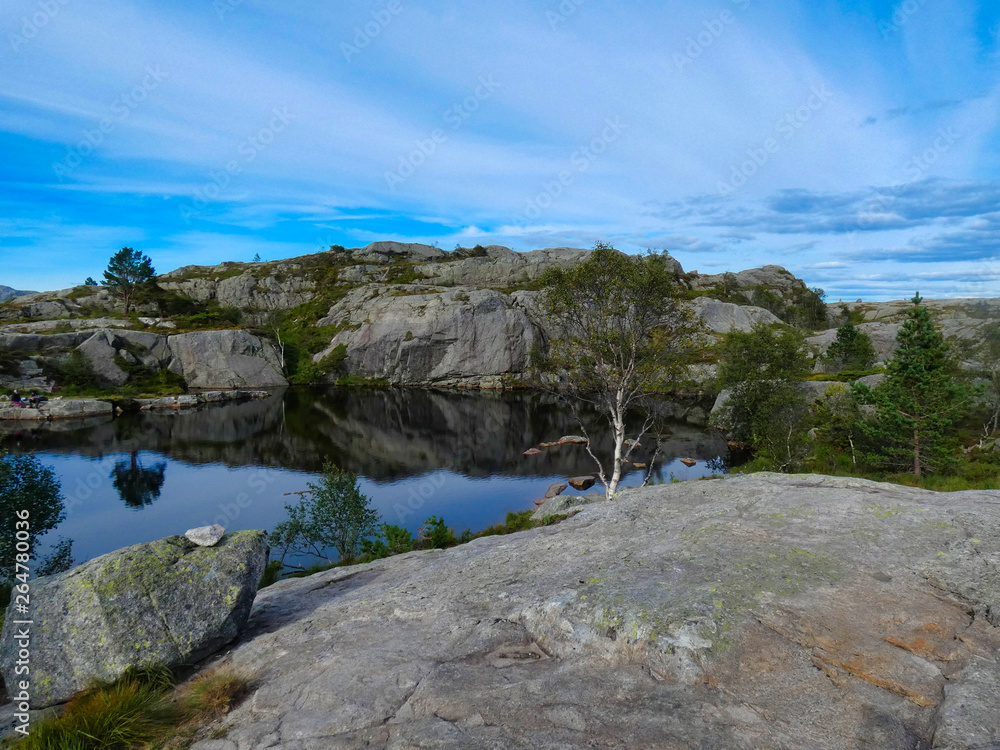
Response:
column 336, row 515
column 389, row 540
column 437, row 533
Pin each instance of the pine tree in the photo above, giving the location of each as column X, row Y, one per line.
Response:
column 851, row 350
column 919, row 400
column 128, row 273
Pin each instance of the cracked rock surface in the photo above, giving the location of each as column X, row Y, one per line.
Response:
column 759, row 611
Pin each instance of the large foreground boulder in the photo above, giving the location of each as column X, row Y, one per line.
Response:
column 763, row 611
column 168, row 602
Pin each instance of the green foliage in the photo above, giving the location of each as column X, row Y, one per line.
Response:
column 765, row 409
column 984, row 352
column 124, row 714
column 626, row 333
column 90, row 281
column 82, row 292
column 851, row 350
column 389, row 540
column 437, row 533
column 918, row 402
column 309, row 371
column 335, row 515
column 25, row 486
column 403, row 273
column 212, row 317
column 804, row 308
column 272, row 572
column 513, row 523
column 138, row 710
column 72, row 374
column 129, row 272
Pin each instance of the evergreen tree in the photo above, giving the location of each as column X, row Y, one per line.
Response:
column 851, row 350
column 919, row 400
column 128, row 273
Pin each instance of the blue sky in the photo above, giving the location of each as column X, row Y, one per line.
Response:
column 853, row 142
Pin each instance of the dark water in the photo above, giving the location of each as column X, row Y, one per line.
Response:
column 417, row 453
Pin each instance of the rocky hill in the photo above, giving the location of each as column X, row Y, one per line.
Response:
column 398, row 313
column 761, row 611
column 7, row 293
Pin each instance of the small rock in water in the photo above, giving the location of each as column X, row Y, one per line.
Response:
column 639, row 465
column 531, row 452
column 582, row 483
column 541, row 501
column 688, row 461
column 572, row 440
column 555, row 489
column 205, row 536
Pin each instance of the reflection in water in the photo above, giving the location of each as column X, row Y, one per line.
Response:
column 385, row 435
column 136, row 485
column 454, row 454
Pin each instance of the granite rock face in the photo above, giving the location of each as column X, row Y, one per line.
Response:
column 230, row 358
column 419, row 334
column 167, row 602
column 759, row 611
column 226, row 359
column 723, row 317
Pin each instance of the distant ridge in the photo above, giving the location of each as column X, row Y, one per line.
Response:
column 7, row 293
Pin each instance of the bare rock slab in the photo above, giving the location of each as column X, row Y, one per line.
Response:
column 168, row 602
column 582, row 483
column 759, row 611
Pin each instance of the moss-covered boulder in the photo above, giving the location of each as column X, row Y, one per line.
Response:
column 168, row 602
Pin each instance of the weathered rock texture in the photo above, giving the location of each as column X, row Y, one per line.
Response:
column 417, row 334
column 205, row 359
column 70, row 408
column 723, row 317
column 168, row 602
column 764, row 611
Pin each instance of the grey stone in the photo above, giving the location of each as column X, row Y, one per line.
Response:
column 417, row 334
column 226, row 359
column 205, row 536
column 749, row 612
column 58, row 408
column 556, row 489
column 167, row 602
column 723, row 317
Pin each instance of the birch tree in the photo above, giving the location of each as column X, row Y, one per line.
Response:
column 624, row 330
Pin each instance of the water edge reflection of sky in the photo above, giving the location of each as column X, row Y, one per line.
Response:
column 457, row 456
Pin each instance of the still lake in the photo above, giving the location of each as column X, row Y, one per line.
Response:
column 417, row 453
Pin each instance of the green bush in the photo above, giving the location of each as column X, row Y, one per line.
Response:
column 437, row 533
column 389, row 540
column 335, row 515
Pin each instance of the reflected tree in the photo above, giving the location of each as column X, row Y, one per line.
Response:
column 27, row 485
column 137, row 485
